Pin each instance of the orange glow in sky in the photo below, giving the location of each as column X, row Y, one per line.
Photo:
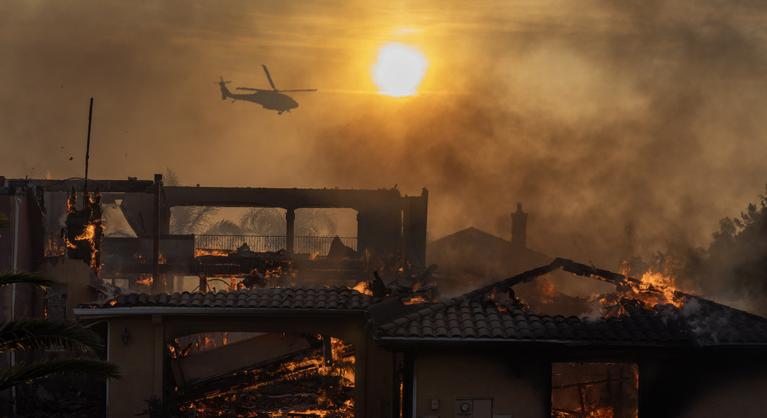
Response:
column 399, row 69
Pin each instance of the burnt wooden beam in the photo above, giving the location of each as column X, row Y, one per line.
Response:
column 253, row 352
column 67, row 185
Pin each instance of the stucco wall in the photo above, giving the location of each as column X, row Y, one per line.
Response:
column 726, row 384
column 139, row 363
column 379, row 382
column 516, row 388
column 730, row 396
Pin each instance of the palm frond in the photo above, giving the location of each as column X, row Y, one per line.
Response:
column 27, row 372
column 35, row 334
column 27, row 278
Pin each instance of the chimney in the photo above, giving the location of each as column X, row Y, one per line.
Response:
column 519, row 228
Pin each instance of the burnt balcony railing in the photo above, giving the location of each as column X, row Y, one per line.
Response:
column 305, row 244
column 263, row 243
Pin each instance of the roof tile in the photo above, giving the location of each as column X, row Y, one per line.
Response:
column 337, row 298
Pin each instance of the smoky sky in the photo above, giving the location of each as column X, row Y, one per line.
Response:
column 651, row 119
column 595, row 115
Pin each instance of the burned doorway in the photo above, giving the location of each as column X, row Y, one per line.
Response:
column 594, row 390
column 263, row 374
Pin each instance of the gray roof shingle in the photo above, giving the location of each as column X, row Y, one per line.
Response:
column 332, row 298
column 470, row 317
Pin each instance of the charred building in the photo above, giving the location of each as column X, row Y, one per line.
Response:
column 335, row 326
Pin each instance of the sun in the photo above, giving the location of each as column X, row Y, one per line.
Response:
column 399, row 69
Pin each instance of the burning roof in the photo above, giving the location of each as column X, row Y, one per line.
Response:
column 648, row 315
column 638, row 313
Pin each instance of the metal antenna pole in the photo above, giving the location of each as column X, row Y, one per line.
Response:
column 88, row 145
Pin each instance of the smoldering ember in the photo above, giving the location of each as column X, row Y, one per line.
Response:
column 384, row 209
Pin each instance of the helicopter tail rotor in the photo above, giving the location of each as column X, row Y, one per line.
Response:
column 225, row 93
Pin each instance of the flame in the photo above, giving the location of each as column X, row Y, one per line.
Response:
column 653, row 288
column 665, row 287
column 363, row 287
column 71, row 203
column 69, row 243
column 601, row 412
column 172, row 351
column 274, row 272
column 413, row 300
column 201, row 252
column 321, row 402
column 88, row 233
column 293, row 412
column 145, row 280
column 548, row 290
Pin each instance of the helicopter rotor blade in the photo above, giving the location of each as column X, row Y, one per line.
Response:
column 297, row 90
column 250, row 89
column 269, row 77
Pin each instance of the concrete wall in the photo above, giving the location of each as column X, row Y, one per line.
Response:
column 140, row 363
column 518, row 389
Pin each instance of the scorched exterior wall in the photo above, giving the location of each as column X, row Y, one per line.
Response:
column 519, row 389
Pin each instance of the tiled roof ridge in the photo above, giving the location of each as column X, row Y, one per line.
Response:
column 566, row 264
column 338, row 297
column 469, row 296
column 255, row 290
column 699, row 322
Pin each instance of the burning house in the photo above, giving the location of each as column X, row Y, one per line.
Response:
column 287, row 326
column 391, row 231
column 58, row 228
column 286, row 351
column 643, row 350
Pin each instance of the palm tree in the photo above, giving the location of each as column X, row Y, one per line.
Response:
column 39, row 334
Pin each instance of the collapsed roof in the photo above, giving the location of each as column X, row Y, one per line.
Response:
column 476, row 317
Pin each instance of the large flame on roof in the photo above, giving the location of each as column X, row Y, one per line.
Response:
column 663, row 287
column 652, row 289
column 363, row 287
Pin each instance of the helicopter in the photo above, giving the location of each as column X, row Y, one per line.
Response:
column 273, row 99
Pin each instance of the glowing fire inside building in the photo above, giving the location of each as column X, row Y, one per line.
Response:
column 365, row 322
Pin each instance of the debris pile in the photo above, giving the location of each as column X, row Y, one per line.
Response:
column 316, row 382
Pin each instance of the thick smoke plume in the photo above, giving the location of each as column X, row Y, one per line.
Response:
column 601, row 118
column 646, row 123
